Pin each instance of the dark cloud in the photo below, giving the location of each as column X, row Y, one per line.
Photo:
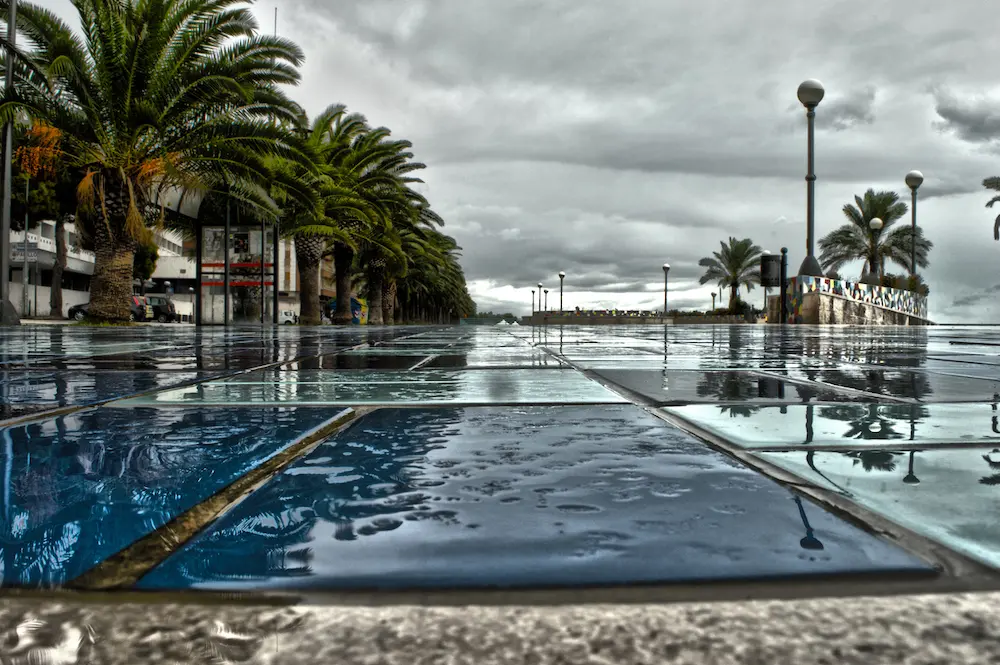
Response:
column 974, row 119
column 988, row 293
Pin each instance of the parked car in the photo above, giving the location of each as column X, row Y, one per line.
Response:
column 164, row 309
column 288, row 317
column 140, row 310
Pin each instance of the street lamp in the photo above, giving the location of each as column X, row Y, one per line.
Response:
column 875, row 224
column 532, row 302
column 8, row 315
column 546, row 300
column 666, row 271
column 713, row 301
column 539, row 296
column 810, row 94
column 913, row 180
column 562, row 276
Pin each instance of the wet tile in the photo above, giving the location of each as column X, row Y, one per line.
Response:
column 669, row 387
column 518, row 497
column 538, row 360
column 516, row 386
column 856, row 425
column 949, row 495
column 63, row 388
column 921, row 386
column 343, row 361
column 81, row 487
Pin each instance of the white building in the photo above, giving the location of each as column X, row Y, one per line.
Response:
column 176, row 272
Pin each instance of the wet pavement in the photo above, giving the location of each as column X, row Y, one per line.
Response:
column 493, row 457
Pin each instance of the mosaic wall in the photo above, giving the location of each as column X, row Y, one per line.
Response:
column 897, row 300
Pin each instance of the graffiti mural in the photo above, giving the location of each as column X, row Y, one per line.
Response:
column 896, row 300
column 359, row 310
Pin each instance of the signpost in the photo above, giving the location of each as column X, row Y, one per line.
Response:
column 17, row 253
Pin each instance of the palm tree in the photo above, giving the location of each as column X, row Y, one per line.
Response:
column 375, row 169
column 994, row 184
column 736, row 264
column 155, row 93
column 857, row 241
column 315, row 227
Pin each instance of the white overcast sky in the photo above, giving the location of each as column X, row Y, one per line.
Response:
column 605, row 139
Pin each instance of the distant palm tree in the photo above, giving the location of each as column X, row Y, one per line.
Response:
column 857, row 241
column 736, row 264
column 994, row 184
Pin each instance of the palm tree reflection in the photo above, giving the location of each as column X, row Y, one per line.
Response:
column 994, row 478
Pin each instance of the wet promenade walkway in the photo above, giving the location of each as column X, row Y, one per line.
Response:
column 339, row 460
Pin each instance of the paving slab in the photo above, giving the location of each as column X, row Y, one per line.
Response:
column 452, row 498
column 80, row 487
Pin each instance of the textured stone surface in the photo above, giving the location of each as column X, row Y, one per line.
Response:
column 912, row 630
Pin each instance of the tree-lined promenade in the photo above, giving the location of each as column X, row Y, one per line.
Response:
column 156, row 94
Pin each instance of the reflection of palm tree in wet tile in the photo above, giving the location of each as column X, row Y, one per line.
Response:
column 876, row 422
column 994, row 478
column 730, row 387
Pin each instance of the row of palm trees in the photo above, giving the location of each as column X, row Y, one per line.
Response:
column 188, row 95
column 737, row 263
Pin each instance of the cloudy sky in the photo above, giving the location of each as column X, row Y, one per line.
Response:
column 605, row 139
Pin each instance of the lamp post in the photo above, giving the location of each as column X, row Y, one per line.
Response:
column 562, row 276
column 546, row 300
column 666, row 272
column 713, row 302
column 874, row 273
column 810, row 94
column 532, row 302
column 913, row 180
column 8, row 315
column 539, row 296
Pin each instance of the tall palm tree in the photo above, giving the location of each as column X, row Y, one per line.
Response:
column 154, row 93
column 735, row 265
column 375, row 168
column 994, row 184
column 857, row 241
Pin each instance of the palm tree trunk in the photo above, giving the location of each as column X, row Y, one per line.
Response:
column 111, row 285
column 343, row 259
column 376, row 279
column 733, row 297
column 308, row 254
column 55, row 291
column 389, row 302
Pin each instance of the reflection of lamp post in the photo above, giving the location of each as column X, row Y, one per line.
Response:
column 810, row 542
column 666, row 272
column 562, row 276
column 810, row 93
column 913, row 180
column 911, row 478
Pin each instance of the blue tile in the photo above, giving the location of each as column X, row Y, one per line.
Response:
column 481, row 497
column 79, row 488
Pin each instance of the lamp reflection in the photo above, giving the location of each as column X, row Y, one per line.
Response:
column 810, row 541
column 911, row 478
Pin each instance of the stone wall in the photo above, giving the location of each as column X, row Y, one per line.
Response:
column 820, row 300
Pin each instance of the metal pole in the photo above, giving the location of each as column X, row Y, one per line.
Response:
column 811, row 266
column 263, row 252
column 7, row 314
column 274, row 275
column 225, row 269
column 665, row 273
column 24, row 262
column 561, row 278
column 546, row 300
column 533, row 302
column 199, row 245
column 913, row 240
column 784, row 285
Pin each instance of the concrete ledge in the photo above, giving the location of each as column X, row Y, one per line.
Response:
column 894, row 629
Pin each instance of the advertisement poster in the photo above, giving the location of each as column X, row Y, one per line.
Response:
column 359, row 310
